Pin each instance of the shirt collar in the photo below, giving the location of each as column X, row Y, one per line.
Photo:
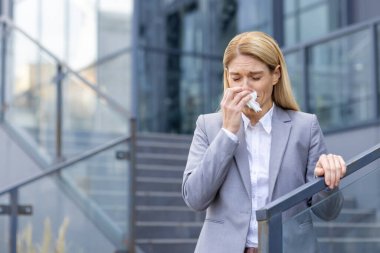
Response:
column 265, row 121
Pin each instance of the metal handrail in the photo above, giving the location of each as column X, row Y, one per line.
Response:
column 64, row 165
column 270, row 216
column 113, row 103
column 107, row 58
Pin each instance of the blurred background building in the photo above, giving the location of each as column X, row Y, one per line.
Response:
column 73, row 73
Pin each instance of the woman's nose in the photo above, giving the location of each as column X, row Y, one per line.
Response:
column 246, row 83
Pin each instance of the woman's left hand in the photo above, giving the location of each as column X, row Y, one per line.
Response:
column 332, row 167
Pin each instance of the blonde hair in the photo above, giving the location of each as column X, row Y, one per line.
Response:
column 264, row 48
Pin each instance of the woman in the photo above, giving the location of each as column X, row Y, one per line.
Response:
column 240, row 160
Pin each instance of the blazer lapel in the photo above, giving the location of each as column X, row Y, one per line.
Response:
column 281, row 126
column 241, row 159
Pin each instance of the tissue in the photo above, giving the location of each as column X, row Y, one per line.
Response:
column 253, row 104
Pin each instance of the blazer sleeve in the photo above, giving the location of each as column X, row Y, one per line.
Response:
column 207, row 166
column 333, row 200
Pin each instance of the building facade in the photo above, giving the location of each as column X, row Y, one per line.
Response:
column 331, row 48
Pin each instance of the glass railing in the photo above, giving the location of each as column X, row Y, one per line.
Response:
column 57, row 111
column 344, row 220
column 83, row 202
column 4, row 224
column 97, row 182
column 111, row 75
column 356, row 228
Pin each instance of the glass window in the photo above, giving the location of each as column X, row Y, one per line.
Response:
column 291, row 36
column 226, row 23
column 255, row 15
column 340, row 83
column 309, row 28
column 306, row 20
column 308, row 3
column 294, row 64
column 289, row 6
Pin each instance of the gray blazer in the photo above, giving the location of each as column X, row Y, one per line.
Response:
column 217, row 179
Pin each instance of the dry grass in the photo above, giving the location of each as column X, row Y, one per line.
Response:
column 25, row 239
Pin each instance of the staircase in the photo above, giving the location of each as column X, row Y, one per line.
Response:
column 355, row 230
column 164, row 223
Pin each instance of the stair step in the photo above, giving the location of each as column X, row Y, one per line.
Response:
column 151, row 170
column 349, row 202
column 177, row 138
column 168, row 229
column 167, row 245
column 162, row 147
column 163, row 208
column 356, row 215
column 161, row 159
column 349, row 244
column 159, row 198
column 168, row 213
column 166, row 241
column 158, row 184
column 347, row 229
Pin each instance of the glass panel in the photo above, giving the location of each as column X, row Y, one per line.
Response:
column 292, row 30
column 299, row 19
column 88, row 120
column 83, row 210
column 309, row 29
column 31, row 93
column 78, row 32
column 103, row 180
column 354, row 229
column 305, row 4
column 174, row 89
column 340, row 81
column 289, row 6
column 216, row 84
column 295, row 66
column 192, row 92
column 113, row 77
column 4, row 226
column 255, row 15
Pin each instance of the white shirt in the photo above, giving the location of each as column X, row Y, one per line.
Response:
column 258, row 139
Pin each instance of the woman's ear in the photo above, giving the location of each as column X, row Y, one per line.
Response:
column 276, row 74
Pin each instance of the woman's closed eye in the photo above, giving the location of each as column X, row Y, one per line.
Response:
column 256, row 78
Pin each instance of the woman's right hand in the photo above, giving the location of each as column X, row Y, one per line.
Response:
column 232, row 105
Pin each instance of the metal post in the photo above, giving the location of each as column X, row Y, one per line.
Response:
column 270, row 234
column 132, row 187
column 375, row 69
column 305, row 78
column 4, row 12
column 3, row 70
column 59, row 121
column 135, row 60
column 278, row 21
column 13, row 225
